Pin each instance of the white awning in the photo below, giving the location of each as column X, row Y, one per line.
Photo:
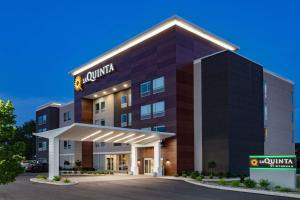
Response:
column 96, row 133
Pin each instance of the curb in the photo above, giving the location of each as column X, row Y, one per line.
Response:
column 35, row 180
column 270, row 193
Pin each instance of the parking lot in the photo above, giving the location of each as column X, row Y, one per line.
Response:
column 112, row 189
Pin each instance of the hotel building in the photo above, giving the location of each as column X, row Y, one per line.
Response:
column 171, row 99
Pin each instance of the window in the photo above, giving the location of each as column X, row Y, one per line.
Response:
column 102, row 106
column 123, row 101
column 42, row 119
column 161, row 128
column 67, row 116
column 97, row 108
column 97, row 122
column 117, row 144
column 146, row 111
column 129, row 119
column 67, row 144
column 102, row 122
column 129, row 99
column 44, row 146
column 158, row 109
column 97, row 144
column 265, row 112
column 40, row 145
column 123, row 120
column 159, row 85
column 265, row 89
column 145, row 89
column 102, row 144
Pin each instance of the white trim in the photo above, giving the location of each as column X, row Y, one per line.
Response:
column 50, row 104
column 173, row 21
column 111, row 153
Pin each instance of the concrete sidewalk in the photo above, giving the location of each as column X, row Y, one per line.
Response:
column 92, row 178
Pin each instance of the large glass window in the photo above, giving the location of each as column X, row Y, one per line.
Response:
column 42, row 119
column 161, row 128
column 159, row 85
column 102, row 106
column 146, row 111
column 158, row 109
column 123, row 101
column 97, row 107
column 67, row 144
column 145, row 89
column 129, row 119
column 67, row 116
column 124, row 119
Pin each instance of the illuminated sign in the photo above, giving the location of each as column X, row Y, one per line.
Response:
column 273, row 162
column 92, row 76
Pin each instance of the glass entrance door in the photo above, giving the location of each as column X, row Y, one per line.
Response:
column 109, row 164
column 148, row 166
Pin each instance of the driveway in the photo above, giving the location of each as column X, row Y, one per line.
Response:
column 141, row 188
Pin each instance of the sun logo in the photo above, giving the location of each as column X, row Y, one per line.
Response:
column 254, row 162
column 78, row 83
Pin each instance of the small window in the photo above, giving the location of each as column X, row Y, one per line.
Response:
column 146, row 111
column 123, row 101
column 129, row 119
column 158, row 109
column 67, row 144
column 117, row 144
column 44, row 146
column 159, row 85
column 123, row 120
column 102, row 122
column 161, row 128
column 40, row 146
column 97, row 122
column 102, row 106
column 67, row 116
column 265, row 89
column 102, row 144
column 97, row 108
column 97, row 144
column 145, row 89
column 265, row 112
column 42, row 119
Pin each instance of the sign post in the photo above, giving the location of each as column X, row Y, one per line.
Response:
column 279, row 170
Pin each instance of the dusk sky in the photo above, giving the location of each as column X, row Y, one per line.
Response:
column 41, row 42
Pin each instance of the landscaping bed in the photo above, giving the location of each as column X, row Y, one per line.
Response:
column 57, row 180
column 86, row 172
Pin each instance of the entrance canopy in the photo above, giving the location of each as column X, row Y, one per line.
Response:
column 97, row 133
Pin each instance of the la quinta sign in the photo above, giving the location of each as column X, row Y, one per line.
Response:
column 92, row 76
column 273, row 162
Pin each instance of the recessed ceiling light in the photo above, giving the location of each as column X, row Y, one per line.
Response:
column 114, row 89
column 95, row 95
column 104, row 92
column 125, row 85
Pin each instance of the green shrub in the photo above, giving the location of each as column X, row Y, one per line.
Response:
column 176, row 175
column 242, row 179
column 235, row 183
column 67, row 180
column 249, row 183
column 195, row 174
column 222, row 182
column 284, row 189
column 264, row 183
column 56, row 178
column 199, row 178
column 184, row 175
column 211, row 176
column 41, row 177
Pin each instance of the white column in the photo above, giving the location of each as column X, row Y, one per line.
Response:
column 53, row 157
column 157, row 168
column 134, row 166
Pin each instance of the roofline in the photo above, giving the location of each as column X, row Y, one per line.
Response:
column 278, row 76
column 153, row 31
column 53, row 104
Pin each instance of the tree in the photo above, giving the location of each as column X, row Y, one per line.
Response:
column 211, row 166
column 11, row 151
column 24, row 134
